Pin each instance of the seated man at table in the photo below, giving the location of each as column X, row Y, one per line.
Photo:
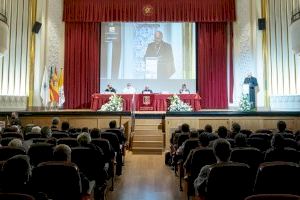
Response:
column 147, row 90
column 129, row 89
column 184, row 89
column 110, row 89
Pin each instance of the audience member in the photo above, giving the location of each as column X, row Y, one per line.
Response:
column 222, row 132
column 281, row 126
column 36, row 129
column 85, row 130
column 203, row 143
column 65, row 126
column 235, row 129
column 193, row 135
column 185, row 129
column 208, row 128
column 110, row 89
column 54, row 124
column 95, row 133
column 129, row 89
column 15, row 143
column 184, row 89
column 113, row 128
column 15, row 119
column 240, row 140
column 46, row 132
column 222, row 151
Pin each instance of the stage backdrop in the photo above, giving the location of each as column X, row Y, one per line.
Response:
column 82, row 19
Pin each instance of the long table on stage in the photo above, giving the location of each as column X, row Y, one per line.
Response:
column 160, row 101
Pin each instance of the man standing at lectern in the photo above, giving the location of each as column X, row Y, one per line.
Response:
column 163, row 52
column 253, row 87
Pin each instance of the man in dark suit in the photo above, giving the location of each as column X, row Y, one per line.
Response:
column 147, row 90
column 253, row 87
column 163, row 52
column 110, row 89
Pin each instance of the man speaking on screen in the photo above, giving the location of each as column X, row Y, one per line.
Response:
column 161, row 51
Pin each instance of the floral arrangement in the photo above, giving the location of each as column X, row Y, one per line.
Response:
column 115, row 104
column 177, row 105
column 244, row 103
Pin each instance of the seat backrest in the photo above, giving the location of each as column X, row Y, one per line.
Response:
column 289, row 142
column 182, row 138
column 277, row 178
column 189, row 145
column 119, row 133
column 248, row 155
column 71, row 142
column 12, row 135
column 15, row 174
column 247, row 132
column 229, row 181
column 40, row 152
column 29, row 136
column 273, row 197
column 286, row 154
column 58, row 180
column 261, row 135
column 200, row 158
column 231, row 141
column 113, row 140
column 15, row 196
column 89, row 161
column 263, row 131
column 259, row 143
column 7, row 152
column 5, row 141
column 59, row 135
column 106, row 148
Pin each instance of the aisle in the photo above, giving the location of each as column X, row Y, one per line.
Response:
column 145, row 177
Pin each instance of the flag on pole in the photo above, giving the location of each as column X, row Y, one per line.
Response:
column 45, row 90
column 54, row 97
column 61, row 88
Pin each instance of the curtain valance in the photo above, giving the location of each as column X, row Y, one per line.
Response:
column 149, row 10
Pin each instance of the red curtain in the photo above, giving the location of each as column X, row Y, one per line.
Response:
column 81, row 63
column 149, row 10
column 212, row 65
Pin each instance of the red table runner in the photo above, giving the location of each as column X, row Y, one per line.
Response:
column 159, row 101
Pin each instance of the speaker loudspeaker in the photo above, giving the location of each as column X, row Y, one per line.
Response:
column 36, row 27
column 261, row 23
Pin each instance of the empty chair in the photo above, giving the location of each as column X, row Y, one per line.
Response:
column 106, row 148
column 273, row 197
column 15, row 196
column 277, row 178
column 29, row 136
column 58, row 180
column 286, row 154
column 8, row 152
column 259, row 143
column 12, row 135
column 39, row 140
column 71, row 142
column 229, row 181
column 40, row 152
column 59, row 135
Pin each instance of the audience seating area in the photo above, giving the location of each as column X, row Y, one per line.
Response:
column 49, row 178
column 259, row 166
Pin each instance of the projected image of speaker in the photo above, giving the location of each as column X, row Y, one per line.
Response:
column 261, row 23
column 36, row 27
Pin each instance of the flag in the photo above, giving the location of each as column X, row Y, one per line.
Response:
column 54, row 97
column 61, row 88
column 45, row 90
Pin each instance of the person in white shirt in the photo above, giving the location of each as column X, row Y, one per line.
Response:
column 129, row 89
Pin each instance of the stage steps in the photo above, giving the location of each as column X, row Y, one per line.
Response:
column 148, row 137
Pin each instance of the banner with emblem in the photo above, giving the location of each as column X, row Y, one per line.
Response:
column 146, row 102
